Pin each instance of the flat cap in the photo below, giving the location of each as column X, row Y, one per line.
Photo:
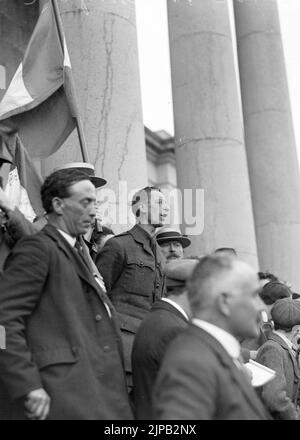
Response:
column 273, row 291
column 286, row 313
column 178, row 271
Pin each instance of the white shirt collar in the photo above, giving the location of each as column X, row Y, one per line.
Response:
column 177, row 306
column 228, row 341
column 285, row 339
column 71, row 240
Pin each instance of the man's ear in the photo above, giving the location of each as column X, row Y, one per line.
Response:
column 57, row 205
column 222, row 303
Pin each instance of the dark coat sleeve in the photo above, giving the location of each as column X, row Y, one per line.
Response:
column 110, row 262
column 21, row 285
column 18, row 226
column 187, row 392
column 274, row 393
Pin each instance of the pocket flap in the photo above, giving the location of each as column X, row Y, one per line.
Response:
column 140, row 262
column 129, row 323
column 62, row 355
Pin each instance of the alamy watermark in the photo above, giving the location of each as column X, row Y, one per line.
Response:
column 184, row 207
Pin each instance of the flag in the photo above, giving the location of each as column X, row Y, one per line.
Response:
column 24, row 182
column 39, row 104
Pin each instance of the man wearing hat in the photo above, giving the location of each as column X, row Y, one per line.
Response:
column 280, row 395
column 168, row 317
column 172, row 243
column 17, row 226
column 269, row 293
column 63, row 357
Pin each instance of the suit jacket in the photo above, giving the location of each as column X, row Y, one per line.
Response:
column 59, row 333
column 159, row 328
column 280, row 393
column 198, row 380
column 133, row 275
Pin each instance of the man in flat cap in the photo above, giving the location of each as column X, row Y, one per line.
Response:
column 201, row 376
column 167, row 318
column 269, row 293
column 172, row 243
column 280, row 395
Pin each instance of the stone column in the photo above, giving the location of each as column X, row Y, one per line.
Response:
column 269, row 136
column 102, row 43
column 210, row 150
column 17, row 22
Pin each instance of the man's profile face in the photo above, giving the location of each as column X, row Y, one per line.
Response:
column 245, row 306
column 79, row 210
column 158, row 209
column 172, row 250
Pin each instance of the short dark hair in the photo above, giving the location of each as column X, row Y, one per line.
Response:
column 58, row 183
column 137, row 197
column 206, row 270
column 267, row 276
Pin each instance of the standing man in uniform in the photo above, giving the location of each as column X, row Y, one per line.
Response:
column 132, row 268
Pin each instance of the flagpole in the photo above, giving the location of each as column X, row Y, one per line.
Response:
column 79, row 126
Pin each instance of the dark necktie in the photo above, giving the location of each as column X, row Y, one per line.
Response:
column 80, row 252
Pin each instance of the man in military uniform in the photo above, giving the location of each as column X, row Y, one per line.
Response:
column 132, row 267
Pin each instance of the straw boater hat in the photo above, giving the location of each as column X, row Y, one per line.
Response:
column 170, row 234
column 87, row 168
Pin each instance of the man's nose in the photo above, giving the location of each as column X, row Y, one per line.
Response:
column 92, row 212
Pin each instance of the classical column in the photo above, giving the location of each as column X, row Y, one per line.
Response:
column 210, row 150
column 102, row 43
column 269, row 136
column 17, row 22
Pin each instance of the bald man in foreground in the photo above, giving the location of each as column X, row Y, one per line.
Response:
column 202, row 377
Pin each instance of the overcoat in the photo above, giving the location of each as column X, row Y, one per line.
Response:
column 59, row 334
column 159, row 328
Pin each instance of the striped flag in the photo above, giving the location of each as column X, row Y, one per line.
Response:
column 23, row 183
column 38, row 103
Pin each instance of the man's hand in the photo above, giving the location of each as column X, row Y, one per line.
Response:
column 5, row 204
column 37, row 404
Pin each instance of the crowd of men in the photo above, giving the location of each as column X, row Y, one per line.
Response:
column 104, row 326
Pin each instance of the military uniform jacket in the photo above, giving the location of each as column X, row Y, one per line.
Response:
column 133, row 274
column 59, row 334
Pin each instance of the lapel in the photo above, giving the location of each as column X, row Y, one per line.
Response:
column 273, row 337
column 140, row 236
column 162, row 305
column 82, row 269
column 237, row 375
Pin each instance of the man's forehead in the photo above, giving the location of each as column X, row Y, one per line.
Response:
column 83, row 187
